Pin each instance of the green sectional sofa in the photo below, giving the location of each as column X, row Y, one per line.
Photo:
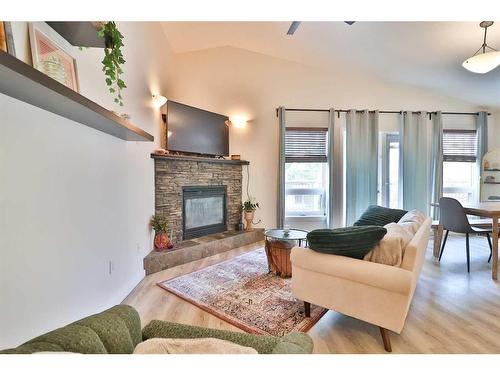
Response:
column 118, row 330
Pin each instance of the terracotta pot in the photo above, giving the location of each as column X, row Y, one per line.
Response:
column 161, row 241
column 249, row 218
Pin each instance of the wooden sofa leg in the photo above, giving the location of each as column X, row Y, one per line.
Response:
column 307, row 309
column 386, row 339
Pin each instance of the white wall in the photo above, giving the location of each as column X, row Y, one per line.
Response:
column 72, row 199
column 235, row 81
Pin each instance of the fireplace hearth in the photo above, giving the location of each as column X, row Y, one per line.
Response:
column 208, row 192
column 203, row 210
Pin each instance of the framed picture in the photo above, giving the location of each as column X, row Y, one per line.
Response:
column 9, row 38
column 3, row 37
column 52, row 54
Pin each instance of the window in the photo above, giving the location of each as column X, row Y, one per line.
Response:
column 390, row 170
column 305, row 189
column 305, row 145
column 306, row 172
column 459, row 164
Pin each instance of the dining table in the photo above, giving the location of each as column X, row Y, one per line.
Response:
column 489, row 210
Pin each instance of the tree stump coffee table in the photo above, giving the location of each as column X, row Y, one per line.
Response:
column 278, row 246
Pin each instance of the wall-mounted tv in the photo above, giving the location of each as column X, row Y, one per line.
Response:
column 194, row 130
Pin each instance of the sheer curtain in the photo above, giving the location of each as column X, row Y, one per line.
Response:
column 331, row 166
column 415, row 161
column 280, row 206
column 361, row 162
column 437, row 161
column 482, row 146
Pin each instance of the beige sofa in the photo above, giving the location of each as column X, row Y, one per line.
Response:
column 373, row 292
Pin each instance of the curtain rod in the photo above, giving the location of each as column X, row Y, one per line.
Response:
column 383, row 112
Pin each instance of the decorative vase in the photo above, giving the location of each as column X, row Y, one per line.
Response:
column 249, row 219
column 161, row 241
column 240, row 227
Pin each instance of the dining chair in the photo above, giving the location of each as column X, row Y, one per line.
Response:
column 453, row 218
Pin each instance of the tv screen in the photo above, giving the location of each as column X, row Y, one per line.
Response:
column 194, row 130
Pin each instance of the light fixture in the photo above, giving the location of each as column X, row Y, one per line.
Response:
column 159, row 100
column 484, row 61
column 238, row 121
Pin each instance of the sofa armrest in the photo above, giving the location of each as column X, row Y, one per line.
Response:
column 292, row 343
column 378, row 275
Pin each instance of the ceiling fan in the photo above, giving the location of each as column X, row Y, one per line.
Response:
column 295, row 25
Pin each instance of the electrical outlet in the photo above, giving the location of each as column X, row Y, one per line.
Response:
column 138, row 247
column 111, row 267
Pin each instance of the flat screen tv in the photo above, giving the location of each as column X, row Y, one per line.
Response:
column 196, row 131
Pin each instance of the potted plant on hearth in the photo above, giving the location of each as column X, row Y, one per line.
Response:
column 159, row 223
column 249, row 206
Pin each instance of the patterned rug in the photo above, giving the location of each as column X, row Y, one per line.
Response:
column 242, row 292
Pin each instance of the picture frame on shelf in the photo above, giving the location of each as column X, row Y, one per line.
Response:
column 3, row 37
column 53, row 55
column 10, row 38
column 6, row 38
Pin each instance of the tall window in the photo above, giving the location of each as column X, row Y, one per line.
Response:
column 390, row 170
column 306, row 178
column 459, row 164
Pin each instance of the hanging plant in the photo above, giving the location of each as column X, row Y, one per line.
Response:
column 113, row 59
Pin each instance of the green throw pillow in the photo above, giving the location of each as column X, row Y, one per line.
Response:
column 353, row 242
column 377, row 215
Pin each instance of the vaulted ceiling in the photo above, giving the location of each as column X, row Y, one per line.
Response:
column 428, row 55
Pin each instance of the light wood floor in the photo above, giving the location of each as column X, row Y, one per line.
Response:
column 451, row 312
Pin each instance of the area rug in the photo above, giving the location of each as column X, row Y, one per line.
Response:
column 242, row 292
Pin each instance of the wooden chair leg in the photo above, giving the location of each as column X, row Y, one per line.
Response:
column 386, row 339
column 307, row 309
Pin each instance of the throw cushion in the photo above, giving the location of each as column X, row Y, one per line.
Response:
column 353, row 242
column 377, row 215
column 291, row 343
column 191, row 346
column 55, row 353
column 390, row 249
column 412, row 220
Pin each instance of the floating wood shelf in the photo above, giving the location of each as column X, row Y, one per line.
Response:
column 199, row 158
column 492, row 170
column 23, row 82
column 79, row 34
column 492, row 183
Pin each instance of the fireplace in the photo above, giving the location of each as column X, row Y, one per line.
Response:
column 203, row 210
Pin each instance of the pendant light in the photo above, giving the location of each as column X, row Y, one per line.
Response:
column 485, row 58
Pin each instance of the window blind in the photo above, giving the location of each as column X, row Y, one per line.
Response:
column 459, row 145
column 305, row 145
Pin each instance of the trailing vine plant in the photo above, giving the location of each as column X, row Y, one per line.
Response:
column 113, row 59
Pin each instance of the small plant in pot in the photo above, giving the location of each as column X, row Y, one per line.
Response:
column 159, row 223
column 249, row 206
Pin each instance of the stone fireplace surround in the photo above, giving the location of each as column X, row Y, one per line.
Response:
column 172, row 173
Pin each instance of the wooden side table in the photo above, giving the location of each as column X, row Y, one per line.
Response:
column 278, row 247
column 278, row 257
